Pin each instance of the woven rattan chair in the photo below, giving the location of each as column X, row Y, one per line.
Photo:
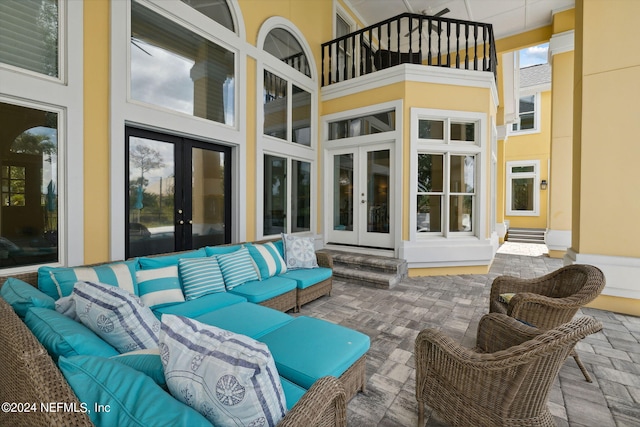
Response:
column 551, row 300
column 504, row 381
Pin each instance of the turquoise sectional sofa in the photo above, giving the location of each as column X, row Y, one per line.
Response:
column 305, row 350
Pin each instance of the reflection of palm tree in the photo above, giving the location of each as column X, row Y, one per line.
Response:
column 146, row 159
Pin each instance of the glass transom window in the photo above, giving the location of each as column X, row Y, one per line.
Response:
column 284, row 46
column 365, row 125
column 177, row 69
column 29, row 35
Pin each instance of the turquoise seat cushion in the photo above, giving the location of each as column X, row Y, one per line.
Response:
column 120, row 274
column 307, row 349
column 196, row 307
column 133, row 398
column 292, row 392
column 21, row 296
column 257, row 291
column 308, row 277
column 246, row 318
column 169, row 260
column 62, row 336
column 220, row 250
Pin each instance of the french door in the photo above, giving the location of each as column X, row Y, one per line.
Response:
column 362, row 201
column 178, row 193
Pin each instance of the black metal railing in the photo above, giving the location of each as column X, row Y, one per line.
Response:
column 410, row 38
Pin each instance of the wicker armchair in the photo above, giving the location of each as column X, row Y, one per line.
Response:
column 504, row 381
column 551, row 300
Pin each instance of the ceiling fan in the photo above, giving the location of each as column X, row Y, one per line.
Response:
column 434, row 27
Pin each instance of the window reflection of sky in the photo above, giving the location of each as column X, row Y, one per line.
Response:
column 161, row 77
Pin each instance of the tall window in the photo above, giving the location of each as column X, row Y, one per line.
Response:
column 523, row 191
column 447, row 177
column 29, row 185
column 277, row 188
column 288, row 149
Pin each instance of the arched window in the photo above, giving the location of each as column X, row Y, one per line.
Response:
column 284, row 46
column 216, row 10
column 287, row 154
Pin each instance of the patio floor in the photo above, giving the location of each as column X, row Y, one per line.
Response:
column 392, row 318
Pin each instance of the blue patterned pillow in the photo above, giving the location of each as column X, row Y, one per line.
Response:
column 117, row 316
column 267, row 259
column 299, row 252
column 229, row 378
column 120, row 274
column 159, row 286
column 237, row 268
column 200, row 276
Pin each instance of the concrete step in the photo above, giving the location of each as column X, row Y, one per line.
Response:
column 368, row 270
column 526, row 235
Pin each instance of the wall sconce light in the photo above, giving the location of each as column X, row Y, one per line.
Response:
column 543, row 184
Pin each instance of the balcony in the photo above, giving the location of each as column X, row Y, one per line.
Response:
column 409, row 38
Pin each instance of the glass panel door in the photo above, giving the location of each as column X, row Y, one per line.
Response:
column 152, row 187
column 178, row 194
column 362, row 196
column 208, row 199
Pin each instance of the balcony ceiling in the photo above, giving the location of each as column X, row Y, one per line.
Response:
column 508, row 17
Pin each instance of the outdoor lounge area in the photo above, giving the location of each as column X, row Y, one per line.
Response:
column 455, row 304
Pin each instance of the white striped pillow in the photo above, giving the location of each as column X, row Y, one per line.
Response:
column 159, row 286
column 200, row 276
column 267, row 259
column 120, row 274
column 237, row 268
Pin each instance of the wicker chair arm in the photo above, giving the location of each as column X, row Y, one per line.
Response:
column 509, row 284
column 498, row 332
column 324, row 404
column 324, row 259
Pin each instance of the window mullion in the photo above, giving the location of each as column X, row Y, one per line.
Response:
column 446, row 193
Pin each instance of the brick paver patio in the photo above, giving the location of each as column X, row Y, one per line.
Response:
column 455, row 304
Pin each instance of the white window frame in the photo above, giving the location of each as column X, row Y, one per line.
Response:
column 448, row 147
column 125, row 111
column 535, row 175
column 269, row 145
column 63, row 96
column 536, row 113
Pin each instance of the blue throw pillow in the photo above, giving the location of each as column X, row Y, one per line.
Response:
column 116, row 316
column 120, row 274
column 159, row 286
column 237, row 268
column 127, row 397
column 299, row 252
column 21, row 296
column 62, row 336
column 268, row 260
column 200, row 276
column 169, row 260
column 230, row 378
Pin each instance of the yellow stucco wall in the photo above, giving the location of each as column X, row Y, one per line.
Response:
column 533, row 146
column 96, row 131
column 607, row 81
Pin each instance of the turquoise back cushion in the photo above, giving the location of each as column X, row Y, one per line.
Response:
column 21, row 296
column 146, row 361
column 169, row 260
column 219, row 250
column 134, row 399
column 62, row 336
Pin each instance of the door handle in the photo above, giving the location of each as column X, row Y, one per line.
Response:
column 190, row 221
